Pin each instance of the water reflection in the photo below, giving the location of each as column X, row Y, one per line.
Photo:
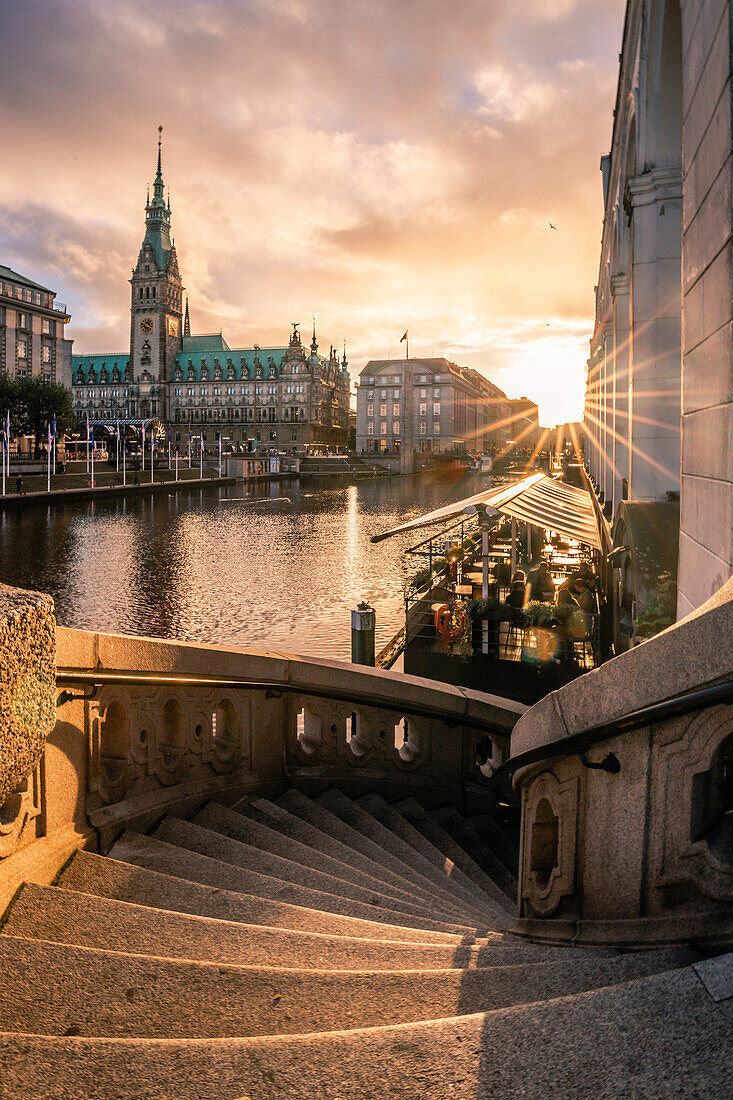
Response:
column 277, row 566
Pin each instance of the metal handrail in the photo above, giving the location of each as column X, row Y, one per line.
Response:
column 577, row 743
column 274, row 688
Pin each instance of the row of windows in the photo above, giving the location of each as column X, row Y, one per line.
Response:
column 384, row 394
column 383, row 410
column 396, row 380
column 25, row 294
column 25, row 321
column 397, row 431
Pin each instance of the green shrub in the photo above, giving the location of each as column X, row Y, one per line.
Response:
column 661, row 609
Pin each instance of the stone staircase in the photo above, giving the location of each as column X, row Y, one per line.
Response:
column 333, row 948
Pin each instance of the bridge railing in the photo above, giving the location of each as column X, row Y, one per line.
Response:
column 145, row 727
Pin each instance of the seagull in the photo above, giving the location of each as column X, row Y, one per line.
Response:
column 552, row 226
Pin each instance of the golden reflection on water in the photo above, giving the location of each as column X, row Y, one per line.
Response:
column 276, row 566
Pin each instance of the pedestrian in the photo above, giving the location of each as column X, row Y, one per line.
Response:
column 19, row 485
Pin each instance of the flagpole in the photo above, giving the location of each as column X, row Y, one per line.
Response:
column 48, row 474
column 92, row 459
column 54, row 444
column 152, row 456
column 117, row 449
column 87, row 443
column 124, row 465
column 143, row 448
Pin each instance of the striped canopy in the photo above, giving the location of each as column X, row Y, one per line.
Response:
column 539, row 499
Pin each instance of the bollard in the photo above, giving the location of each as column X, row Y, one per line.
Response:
column 363, row 622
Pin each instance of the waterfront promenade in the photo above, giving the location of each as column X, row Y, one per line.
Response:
column 109, row 487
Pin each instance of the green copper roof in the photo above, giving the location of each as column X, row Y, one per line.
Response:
column 242, row 359
column 91, row 365
column 13, row 276
column 207, row 342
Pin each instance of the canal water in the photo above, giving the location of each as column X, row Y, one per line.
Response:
column 276, row 566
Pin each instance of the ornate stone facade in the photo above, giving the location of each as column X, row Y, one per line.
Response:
column 659, row 414
column 281, row 397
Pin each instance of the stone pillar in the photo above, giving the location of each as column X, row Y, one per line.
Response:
column 620, row 292
column 656, row 355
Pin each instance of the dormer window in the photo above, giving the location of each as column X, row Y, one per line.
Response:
column 79, row 376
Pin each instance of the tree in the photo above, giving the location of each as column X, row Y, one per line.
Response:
column 33, row 403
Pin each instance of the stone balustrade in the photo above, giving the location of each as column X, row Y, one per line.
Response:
column 644, row 855
column 145, row 727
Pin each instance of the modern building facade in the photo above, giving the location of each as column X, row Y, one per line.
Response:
column 32, row 340
column 659, row 398
column 276, row 397
column 430, row 404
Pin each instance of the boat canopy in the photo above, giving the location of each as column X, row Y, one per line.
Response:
column 539, row 499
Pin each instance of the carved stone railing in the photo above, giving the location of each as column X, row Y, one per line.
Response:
column 145, row 727
column 626, row 785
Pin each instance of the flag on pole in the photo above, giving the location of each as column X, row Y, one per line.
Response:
column 403, row 338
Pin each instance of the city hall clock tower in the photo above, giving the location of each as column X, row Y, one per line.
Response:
column 156, row 307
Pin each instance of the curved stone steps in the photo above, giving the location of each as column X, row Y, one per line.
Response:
column 90, row 992
column 111, row 878
column 476, row 848
column 215, row 845
column 61, row 916
column 358, row 819
column 443, row 867
column 497, row 839
column 411, row 809
column 234, row 825
column 328, row 822
column 276, row 817
column 658, row 1036
column 158, row 855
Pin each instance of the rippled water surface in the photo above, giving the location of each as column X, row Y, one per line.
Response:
column 277, row 566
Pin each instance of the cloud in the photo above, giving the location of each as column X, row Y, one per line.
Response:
column 382, row 163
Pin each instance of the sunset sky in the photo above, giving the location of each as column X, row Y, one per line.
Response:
column 384, row 164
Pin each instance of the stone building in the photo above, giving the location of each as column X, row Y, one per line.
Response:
column 442, row 406
column 199, row 386
column 659, row 400
column 525, row 425
column 32, row 340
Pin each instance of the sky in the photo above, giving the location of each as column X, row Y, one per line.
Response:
column 381, row 164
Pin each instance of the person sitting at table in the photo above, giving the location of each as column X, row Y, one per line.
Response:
column 541, row 584
column 570, row 590
column 503, row 572
column 585, row 569
column 517, row 590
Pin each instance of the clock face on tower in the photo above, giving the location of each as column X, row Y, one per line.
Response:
column 172, row 326
column 146, row 324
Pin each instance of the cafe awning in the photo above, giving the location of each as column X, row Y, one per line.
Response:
column 539, row 499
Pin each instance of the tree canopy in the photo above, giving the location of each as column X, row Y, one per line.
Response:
column 33, row 403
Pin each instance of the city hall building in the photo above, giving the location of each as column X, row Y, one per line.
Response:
column 285, row 397
column 436, row 404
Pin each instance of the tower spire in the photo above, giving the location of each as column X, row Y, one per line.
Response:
column 314, row 343
column 159, row 175
column 187, row 321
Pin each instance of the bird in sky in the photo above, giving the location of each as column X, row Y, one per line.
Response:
column 552, row 226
